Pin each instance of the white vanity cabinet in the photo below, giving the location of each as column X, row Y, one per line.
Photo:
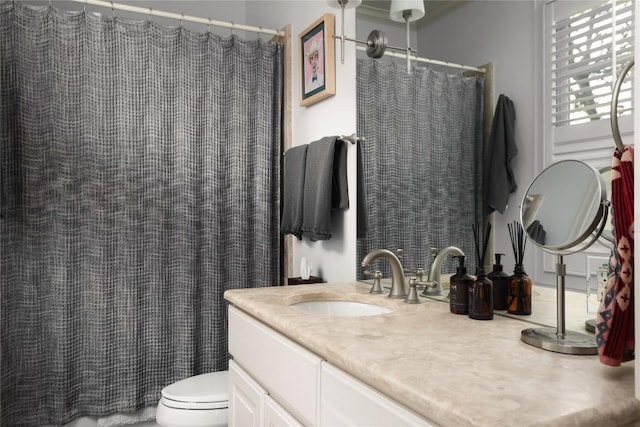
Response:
column 286, row 372
column 276, row 382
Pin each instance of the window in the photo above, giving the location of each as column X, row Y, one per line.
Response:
column 587, row 44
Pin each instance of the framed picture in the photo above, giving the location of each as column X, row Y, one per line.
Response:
column 317, row 60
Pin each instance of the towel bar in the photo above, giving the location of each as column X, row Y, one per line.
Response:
column 351, row 138
column 614, row 108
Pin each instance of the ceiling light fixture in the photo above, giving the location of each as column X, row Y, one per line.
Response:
column 343, row 4
column 407, row 11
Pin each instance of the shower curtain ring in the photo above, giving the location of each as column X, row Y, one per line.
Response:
column 181, row 18
column 233, row 25
column 209, row 25
column 150, row 13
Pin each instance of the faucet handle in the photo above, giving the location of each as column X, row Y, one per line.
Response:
column 430, row 288
column 412, row 297
column 419, row 272
column 376, row 287
column 399, row 253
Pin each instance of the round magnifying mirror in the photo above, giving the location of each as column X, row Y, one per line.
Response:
column 564, row 209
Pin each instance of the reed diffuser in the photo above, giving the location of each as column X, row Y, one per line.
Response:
column 519, row 283
column 481, row 290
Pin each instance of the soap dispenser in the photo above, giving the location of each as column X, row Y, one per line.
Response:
column 459, row 288
column 500, row 281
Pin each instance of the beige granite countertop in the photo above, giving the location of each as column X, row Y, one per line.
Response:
column 453, row 370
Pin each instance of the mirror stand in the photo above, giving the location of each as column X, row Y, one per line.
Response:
column 560, row 340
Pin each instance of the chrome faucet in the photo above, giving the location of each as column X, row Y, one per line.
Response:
column 398, row 286
column 433, row 285
column 418, row 272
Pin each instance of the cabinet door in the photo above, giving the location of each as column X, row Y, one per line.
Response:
column 276, row 416
column 346, row 401
column 246, row 399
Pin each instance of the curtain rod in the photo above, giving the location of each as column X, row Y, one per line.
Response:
column 430, row 61
column 182, row 17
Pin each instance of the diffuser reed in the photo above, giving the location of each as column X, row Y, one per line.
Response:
column 519, row 283
column 481, row 290
column 481, row 251
column 518, row 241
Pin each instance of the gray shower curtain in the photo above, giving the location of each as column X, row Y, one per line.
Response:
column 139, row 178
column 423, row 160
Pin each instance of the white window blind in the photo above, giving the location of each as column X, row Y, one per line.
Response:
column 588, row 44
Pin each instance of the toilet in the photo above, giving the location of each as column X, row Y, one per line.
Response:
column 199, row 401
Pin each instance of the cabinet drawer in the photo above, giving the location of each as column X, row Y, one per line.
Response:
column 289, row 372
column 347, row 401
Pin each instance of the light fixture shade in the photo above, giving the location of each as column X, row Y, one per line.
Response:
column 348, row 4
column 396, row 12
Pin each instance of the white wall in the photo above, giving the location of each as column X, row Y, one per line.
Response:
column 333, row 259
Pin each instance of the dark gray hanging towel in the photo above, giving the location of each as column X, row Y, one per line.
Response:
column 499, row 179
column 295, row 161
column 362, row 216
column 325, row 186
column 339, row 186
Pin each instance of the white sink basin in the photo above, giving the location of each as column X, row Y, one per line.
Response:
column 340, row 308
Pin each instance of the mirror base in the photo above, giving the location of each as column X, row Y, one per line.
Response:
column 572, row 343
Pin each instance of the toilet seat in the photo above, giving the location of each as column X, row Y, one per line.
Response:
column 205, row 391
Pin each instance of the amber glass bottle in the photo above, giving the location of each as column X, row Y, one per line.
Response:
column 500, row 281
column 519, row 292
column 481, row 297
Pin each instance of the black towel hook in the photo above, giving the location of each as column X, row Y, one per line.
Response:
column 614, row 107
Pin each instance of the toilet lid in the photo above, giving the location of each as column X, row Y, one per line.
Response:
column 204, row 388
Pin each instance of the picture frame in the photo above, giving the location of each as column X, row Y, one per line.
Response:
column 317, row 61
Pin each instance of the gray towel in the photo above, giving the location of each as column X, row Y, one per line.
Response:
column 361, row 212
column 339, row 186
column 536, row 231
column 499, row 180
column 325, row 187
column 295, row 161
